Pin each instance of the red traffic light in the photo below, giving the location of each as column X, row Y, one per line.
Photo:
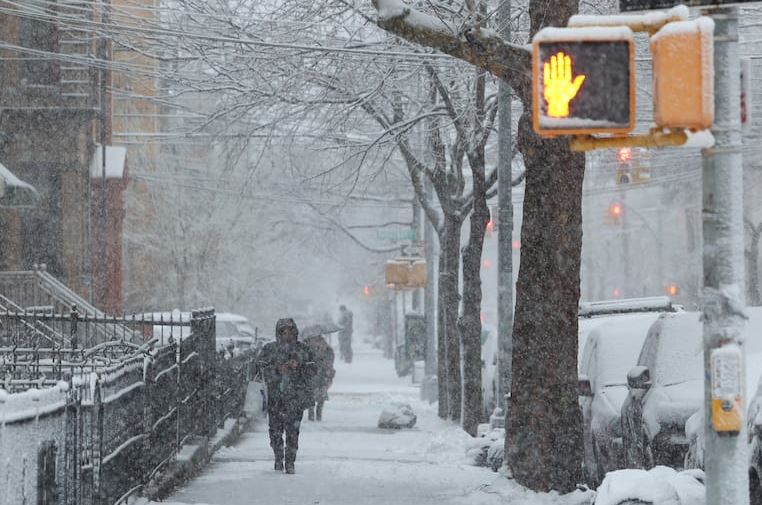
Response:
column 366, row 290
column 624, row 154
column 615, row 210
column 673, row 289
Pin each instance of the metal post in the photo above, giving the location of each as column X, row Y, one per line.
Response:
column 429, row 388
column 626, row 290
column 726, row 453
column 505, row 238
column 416, row 240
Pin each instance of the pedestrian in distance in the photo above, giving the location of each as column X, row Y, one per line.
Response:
column 345, row 334
column 289, row 369
column 324, row 358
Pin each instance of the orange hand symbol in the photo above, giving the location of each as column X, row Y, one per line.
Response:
column 558, row 88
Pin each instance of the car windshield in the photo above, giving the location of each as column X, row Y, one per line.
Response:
column 680, row 355
column 245, row 329
column 226, row 329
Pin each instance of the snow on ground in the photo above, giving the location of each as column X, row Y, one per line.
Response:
column 346, row 459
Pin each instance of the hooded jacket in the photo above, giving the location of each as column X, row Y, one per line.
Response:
column 288, row 388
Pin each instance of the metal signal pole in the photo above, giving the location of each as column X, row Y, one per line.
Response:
column 725, row 430
column 505, row 236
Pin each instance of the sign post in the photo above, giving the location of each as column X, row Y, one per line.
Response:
column 725, row 448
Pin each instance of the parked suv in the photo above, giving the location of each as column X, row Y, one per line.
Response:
column 666, row 387
column 611, row 350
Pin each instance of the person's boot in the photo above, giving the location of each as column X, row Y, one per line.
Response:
column 311, row 414
column 319, row 412
column 290, row 467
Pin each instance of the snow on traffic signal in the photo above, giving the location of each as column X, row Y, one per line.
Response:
column 583, row 81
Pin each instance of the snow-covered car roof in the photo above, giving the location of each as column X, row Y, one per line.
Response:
column 229, row 316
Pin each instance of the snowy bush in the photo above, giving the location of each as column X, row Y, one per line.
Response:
column 487, row 449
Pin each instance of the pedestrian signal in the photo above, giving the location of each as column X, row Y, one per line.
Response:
column 583, row 81
column 683, row 62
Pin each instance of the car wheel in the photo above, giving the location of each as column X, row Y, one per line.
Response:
column 755, row 489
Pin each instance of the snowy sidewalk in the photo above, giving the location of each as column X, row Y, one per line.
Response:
column 346, row 459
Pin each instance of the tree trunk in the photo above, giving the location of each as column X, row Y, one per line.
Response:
column 544, row 443
column 470, row 324
column 443, row 407
column 448, row 287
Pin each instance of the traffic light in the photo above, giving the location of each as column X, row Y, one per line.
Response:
column 673, row 289
column 366, row 290
column 583, row 81
column 614, row 213
column 683, row 74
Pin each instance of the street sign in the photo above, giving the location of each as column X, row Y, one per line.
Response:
column 646, row 5
column 583, row 81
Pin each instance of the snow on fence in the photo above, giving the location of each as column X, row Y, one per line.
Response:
column 108, row 427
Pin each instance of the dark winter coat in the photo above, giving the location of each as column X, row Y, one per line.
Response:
column 324, row 358
column 345, row 322
column 288, row 390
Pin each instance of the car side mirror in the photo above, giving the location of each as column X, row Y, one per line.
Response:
column 584, row 387
column 639, row 377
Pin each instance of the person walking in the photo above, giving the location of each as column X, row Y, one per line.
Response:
column 324, row 358
column 288, row 367
column 345, row 334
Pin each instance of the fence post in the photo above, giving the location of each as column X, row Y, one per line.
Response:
column 97, row 427
column 149, row 375
column 203, row 326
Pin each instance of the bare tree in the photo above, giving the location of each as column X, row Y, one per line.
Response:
column 543, row 443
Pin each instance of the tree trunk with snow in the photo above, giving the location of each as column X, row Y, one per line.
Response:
column 448, row 285
column 470, row 324
column 544, row 441
column 443, row 406
column 543, row 446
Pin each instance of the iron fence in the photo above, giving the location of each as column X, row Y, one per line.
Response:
column 90, row 427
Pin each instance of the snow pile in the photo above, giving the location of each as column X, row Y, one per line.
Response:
column 491, row 443
column 659, row 486
column 397, row 416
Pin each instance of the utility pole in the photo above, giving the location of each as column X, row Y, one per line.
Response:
column 505, row 238
column 725, row 431
column 429, row 387
column 416, row 241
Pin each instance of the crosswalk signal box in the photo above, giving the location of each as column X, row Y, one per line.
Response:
column 583, row 81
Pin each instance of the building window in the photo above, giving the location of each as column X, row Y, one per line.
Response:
column 47, row 492
column 40, row 67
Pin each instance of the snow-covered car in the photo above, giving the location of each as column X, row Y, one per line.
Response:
column 666, row 387
column 610, row 351
column 233, row 330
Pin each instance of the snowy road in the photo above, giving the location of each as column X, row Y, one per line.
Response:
column 346, row 459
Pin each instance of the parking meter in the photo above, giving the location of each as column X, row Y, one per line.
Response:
column 726, row 382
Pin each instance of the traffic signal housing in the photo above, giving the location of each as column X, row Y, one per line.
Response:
column 583, row 81
column 683, row 74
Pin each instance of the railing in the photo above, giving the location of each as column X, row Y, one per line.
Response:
column 119, row 415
